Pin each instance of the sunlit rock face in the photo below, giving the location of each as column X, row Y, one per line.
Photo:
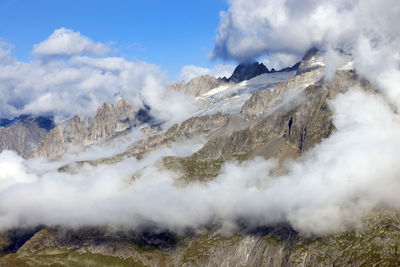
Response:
column 23, row 133
column 21, row 138
column 108, row 122
column 199, row 85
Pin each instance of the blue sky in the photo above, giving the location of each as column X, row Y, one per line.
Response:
column 170, row 34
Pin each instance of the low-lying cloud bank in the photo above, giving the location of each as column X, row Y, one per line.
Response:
column 329, row 189
column 71, row 74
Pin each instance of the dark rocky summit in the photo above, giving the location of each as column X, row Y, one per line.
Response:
column 247, row 71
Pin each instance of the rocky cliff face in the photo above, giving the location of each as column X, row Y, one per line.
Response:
column 199, row 85
column 313, row 59
column 108, row 122
column 21, row 137
column 203, row 126
column 258, row 102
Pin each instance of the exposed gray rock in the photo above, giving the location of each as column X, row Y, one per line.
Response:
column 108, row 122
column 199, row 85
column 205, row 126
column 258, row 102
column 21, row 137
column 313, row 59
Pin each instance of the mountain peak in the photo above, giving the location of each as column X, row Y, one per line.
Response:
column 246, row 71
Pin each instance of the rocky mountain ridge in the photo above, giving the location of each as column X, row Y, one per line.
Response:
column 108, row 122
column 201, row 85
column 220, row 125
column 246, row 71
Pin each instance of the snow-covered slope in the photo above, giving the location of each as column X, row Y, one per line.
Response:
column 230, row 99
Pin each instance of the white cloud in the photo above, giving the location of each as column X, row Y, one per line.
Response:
column 189, row 72
column 280, row 60
column 169, row 105
column 220, row 71
column 78, row 84
column 67, row 42
column 331, row 188
column 5, row 53
column 250, row 29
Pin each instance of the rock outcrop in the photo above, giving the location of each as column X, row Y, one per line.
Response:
column 313, row 59
column 247, row 71
column 203, row 126
column 108, row 122
column 21, row 137
column 199, row 85
column 258, row 102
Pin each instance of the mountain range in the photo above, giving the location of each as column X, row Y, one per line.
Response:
column 256, row 113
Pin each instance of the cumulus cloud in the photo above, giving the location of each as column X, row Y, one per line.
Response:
column 5, row 53
column 66, row 42
column 78, row 83
column 189, row 72
column 250, row 29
